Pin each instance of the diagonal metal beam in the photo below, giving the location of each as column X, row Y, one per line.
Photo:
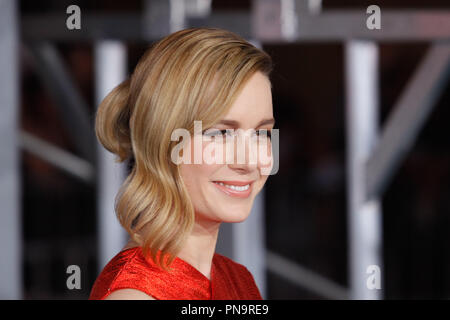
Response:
column 73, row 108
column 305, row 278
column 61, row 159
column 408, row 117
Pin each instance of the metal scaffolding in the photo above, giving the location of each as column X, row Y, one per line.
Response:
column 371, row 160
column 364, row 217
column 10, row 219
column 110, row 70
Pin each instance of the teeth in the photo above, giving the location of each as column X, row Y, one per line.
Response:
column 236, row 188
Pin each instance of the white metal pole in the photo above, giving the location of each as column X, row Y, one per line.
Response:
column 364, row 217
column 10, row 221
column 110, row 70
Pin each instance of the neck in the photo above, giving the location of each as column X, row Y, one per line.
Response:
column 200, row 246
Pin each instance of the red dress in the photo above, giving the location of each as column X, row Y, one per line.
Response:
column 130, row 269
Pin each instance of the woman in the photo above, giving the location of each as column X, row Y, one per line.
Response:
column 171, row 210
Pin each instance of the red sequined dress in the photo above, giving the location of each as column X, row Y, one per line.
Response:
column 130, row 269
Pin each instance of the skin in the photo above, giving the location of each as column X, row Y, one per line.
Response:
column 212, row 206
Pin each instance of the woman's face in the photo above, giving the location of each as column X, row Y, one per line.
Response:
column 225, row 192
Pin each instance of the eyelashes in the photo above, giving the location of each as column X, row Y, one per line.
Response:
column 230, row 133
column 215, row 133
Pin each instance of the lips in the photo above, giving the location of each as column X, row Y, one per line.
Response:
column 239, row 189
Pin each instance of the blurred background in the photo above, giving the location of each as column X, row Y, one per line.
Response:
column 364, row 158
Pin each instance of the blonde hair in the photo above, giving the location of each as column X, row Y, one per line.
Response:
column 192, row 74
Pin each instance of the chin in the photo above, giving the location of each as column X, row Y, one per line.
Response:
column 233, row 215
column 234, row 219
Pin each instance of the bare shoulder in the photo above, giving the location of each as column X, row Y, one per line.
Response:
column 128, row 294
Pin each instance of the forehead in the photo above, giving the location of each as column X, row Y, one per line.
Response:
column 254, row 102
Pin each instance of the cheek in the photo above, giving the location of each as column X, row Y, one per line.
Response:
column 265, row 162
column 197, row 175
column 262, row 182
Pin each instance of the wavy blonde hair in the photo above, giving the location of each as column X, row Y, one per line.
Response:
column 192, row 74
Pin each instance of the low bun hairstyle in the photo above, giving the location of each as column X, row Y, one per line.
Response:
column 192, row 74
column 112, row 122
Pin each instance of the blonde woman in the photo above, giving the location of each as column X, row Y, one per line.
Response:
column 172, row 210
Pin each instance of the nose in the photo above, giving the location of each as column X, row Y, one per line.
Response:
column 245, row 154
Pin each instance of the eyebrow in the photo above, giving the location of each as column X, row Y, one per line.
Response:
column 235, row 123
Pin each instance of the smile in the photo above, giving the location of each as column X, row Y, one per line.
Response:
column 234, row 188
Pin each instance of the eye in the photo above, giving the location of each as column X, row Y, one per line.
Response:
column 264, row 133
column 217, row 132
